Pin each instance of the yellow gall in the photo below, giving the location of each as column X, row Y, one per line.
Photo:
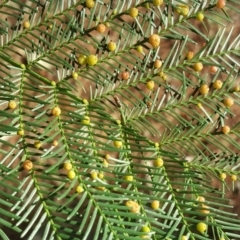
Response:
column 204, row 209
column 101, row 188
column 55, row 143
column 71, row 174
column 157, row 63
column 53, row 83
column 150, row 85
column 226, row 129
column 111, row 46
column 75, row 75
column 92, row 60
column 27, row 165
column 67, row 166
column 133, row 206
column 158, row 162
column 37, row 144
column 26, row 24
column 79, row 189
column 82, row 59
column 201, row 227
column 101, row 28
column 145, row 237
column 200, row 17
column 20, row 132
column 223, row 176
column 155, row 204
column 164, row 77
column 23, row 66
column 218, row 84
column 129, row 178
column 85, row 101
column 12, row 104
column 135, row 209
column 220, row 4
column 146, row 5
column 201, row 199
column 182, row 9
column 154, row 40
column 236, row 88
column 228, row 102
column 94, row 175
column 139, row 49
column 161, row 74
column 145, row 229
column 133, row 12
column 86, row 120
column 189, row 55
column 234, row 177
column 105, row 163
column 157, row 3
column 100, row 175
column 197, row 66
column 90, row 3
column 125, row 75
column 56, row 111
column 130, row 203
column 204, row 89
column 184, row 238
column 117, row 144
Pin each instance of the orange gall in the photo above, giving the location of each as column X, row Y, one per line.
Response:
column 189, row 55
column 226, row 129
column 27, row 165
column 213, row 69
column 221, row 4
column 228, row 102
column 101, row 28
column 154, row 40
column 125, row 75
column 157, row 63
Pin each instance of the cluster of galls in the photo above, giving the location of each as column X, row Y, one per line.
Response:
column 183, row 9
column 227, row 101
